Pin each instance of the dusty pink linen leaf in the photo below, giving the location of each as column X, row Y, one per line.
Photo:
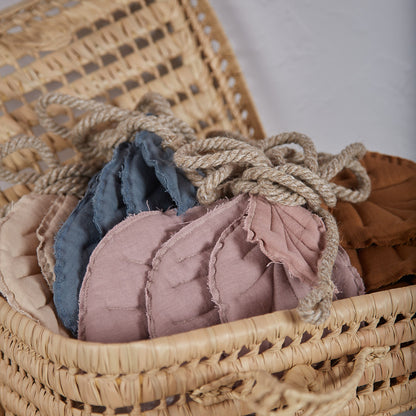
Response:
column 290, row 235
column 177, row 295
column 49, row 226
column 240, row 276
column 21, row 280
column 112, row 301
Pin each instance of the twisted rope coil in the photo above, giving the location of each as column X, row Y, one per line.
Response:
column 221, row 166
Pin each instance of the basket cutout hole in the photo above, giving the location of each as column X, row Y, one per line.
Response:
column 53, row 12
column 32, row 95
column 318, row 366
column 135, row 6
column 176, row 62
column 326, row 332
column 224, row 64
column 90, row 67
column 115, row 92
column 378, row 385
column 149, row 405
column 207, row 30
column 147, row 77
column 182, row 97
column 194, row 3
column 264, row 346
column 169, row 27
column 287, row 341
column 100, row 23
column 15, row 29
column 157, row 34
column 61, row 119
column 108, row 59
column 231, row 82
column 119, row 14
column 399, row 317
column 412, row 375
column 123, row 410
column 201, row 16
column 163, row 70
column 25, row 60
column 194, row 89
column 345, row 328
column 251, row 131
column 38, row 130
column 6, row 70
column 407, row 344
column 381, row 322
column 203, row 124
column 131, row 84
column 12, row 105
column 244, row 350
column 335, row 362
column 71, row 4
column 394, row 381
column 125, row 50
column 361, row 389
column 215, row 45
column 306, row 336
column 141, row 43
column 84, row 31
column 66, row 154
column 149, row 2
column 72, row 76
column 53, row 85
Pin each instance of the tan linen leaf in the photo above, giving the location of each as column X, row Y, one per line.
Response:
column 21, row 280
column 49, row 226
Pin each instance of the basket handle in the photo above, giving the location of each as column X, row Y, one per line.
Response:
column 263, row 392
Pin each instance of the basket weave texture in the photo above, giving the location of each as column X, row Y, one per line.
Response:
column 362, row 361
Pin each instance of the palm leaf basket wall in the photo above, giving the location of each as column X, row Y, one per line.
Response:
column 362, row 361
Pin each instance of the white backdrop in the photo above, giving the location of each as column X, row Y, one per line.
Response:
column 338, row 71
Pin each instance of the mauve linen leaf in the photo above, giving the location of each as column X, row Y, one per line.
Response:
column 21, row 280
column 112, row 299
column 74, row 244
column 172, row 178
column 46, row 232
column 240, row 276
column 109, row 208
column 346, row 278
column 291, row 235
column 177, row 294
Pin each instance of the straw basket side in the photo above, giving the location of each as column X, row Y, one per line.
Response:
column 198, row 372
column 362, row 361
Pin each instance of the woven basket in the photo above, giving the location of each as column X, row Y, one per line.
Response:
column 362, row 361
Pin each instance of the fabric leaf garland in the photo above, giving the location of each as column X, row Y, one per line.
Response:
column 128, row 184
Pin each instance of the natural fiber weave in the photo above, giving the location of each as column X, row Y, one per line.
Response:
column 116, row 51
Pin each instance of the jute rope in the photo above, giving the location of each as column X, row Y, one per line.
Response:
column 221, row 166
